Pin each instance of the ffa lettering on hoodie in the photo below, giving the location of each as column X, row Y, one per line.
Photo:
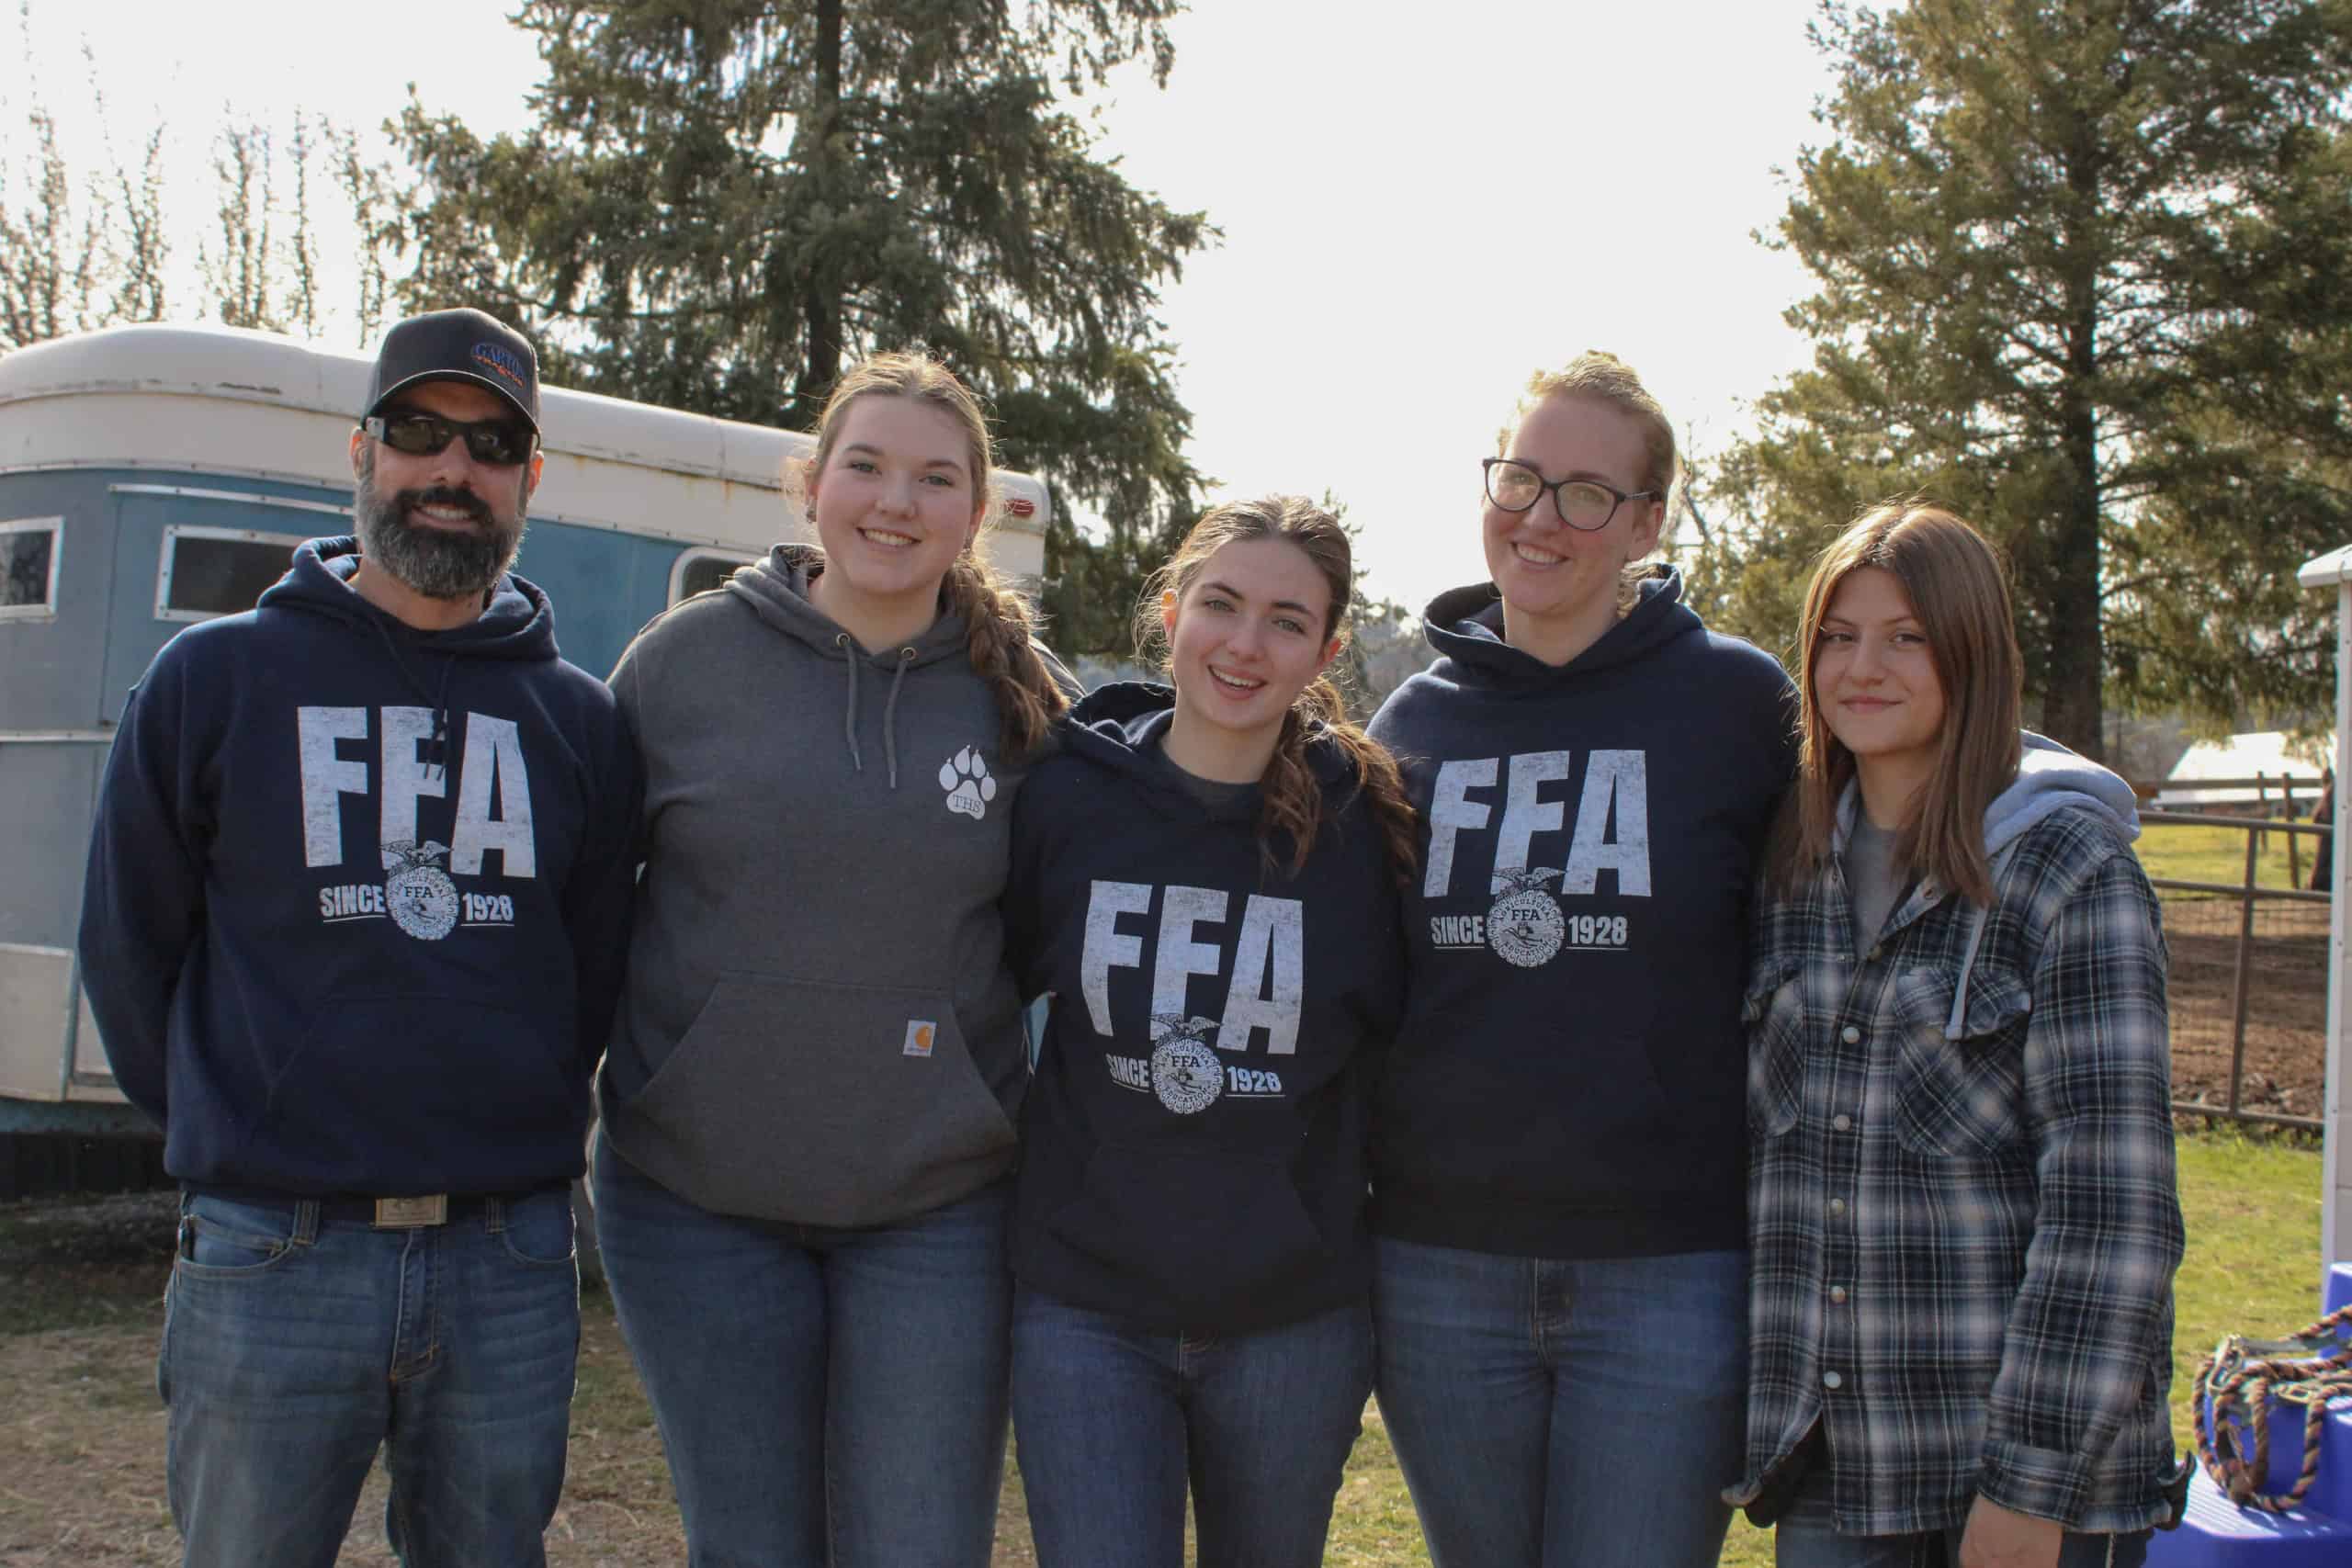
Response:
column 1193, row 1147
column 1253, row 973
column 1500, row 837
column 490, row 818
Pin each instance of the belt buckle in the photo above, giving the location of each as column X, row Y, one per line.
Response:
column 411, row 1214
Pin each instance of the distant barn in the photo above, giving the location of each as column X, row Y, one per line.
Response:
column 2246, row 775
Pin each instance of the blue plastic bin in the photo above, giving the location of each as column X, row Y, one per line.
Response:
column 2217, row 1533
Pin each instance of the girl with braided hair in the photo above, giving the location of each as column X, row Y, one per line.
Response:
column 808, row 1102
column 1205, row 875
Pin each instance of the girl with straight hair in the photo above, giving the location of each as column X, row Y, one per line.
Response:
column 803, row 1174
column 1205, row 875
column 1560, row 1286
column 1963, row 1216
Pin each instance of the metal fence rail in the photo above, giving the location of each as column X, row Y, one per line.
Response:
column 2272, row 943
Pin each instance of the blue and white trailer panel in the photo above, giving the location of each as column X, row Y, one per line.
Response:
column 154, row 476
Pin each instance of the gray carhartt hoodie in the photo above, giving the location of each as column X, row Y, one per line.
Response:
column 817, row 1024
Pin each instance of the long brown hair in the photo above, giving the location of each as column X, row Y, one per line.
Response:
column 1960, row 595
column 1293, row 800
column 1000, row 631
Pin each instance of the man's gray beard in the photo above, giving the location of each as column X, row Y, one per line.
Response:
column 436, row 562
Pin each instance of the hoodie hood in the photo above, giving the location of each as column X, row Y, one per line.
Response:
column 1466, row 625
column 2050, row 777
column 518, row 623
column 776, row 589
column 1121, row 725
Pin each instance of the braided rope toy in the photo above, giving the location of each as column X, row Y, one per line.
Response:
column 2241, row 1379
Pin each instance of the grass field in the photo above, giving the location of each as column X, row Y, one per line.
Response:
column 2218, row 855
column 82, row 1443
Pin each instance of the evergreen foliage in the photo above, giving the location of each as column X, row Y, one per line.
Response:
column 726, row 201
column 2086, row 275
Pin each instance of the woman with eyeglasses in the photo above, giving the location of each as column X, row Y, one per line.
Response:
column 1559, row 1174
column 804, row 1175
column 1962, row 1197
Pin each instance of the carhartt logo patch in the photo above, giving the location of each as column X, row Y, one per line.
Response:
column 920, row 1032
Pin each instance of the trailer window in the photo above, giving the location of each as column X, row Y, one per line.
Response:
column 699, row 571
column 29, row 567
column 218, row 571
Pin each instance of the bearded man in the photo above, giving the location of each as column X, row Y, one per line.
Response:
column 354, row 924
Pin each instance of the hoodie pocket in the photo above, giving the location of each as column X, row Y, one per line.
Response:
column 428, row 1089
column 1201, row 1231
column 819, row 1103
column 1959, row 1095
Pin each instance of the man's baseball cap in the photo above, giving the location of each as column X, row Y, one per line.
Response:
column 457, row 345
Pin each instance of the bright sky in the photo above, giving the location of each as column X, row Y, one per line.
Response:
column 1417, row 212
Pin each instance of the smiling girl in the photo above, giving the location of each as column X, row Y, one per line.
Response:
column 1962, row 1197
column 1206, row 878
column 1561, row 1279
column 809, row 1100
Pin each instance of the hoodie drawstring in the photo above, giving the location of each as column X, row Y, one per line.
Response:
column 1977, row 915
column 855, row 655
column 849, row 723
column 438, row 761
column 891, row 715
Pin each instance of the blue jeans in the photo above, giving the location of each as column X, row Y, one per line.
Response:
column 1570, row 1415
column 293, row 1348
column 825, row 1396
column 1112, row 1421
column 1809, row 1542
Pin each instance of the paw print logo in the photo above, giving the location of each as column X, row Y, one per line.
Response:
column 965, row 778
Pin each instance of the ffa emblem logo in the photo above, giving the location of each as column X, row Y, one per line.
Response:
column 1185, row 1072
column 965, row 778
column 422, row 899
column 1524, row 927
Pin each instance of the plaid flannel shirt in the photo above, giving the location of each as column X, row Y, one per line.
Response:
column 1964, row 1220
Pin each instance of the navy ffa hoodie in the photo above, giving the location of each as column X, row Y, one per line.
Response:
column 359, row 895
column 1193, row 1149
column 1569, row 1078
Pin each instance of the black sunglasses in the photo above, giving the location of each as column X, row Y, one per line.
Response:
column 497, row 441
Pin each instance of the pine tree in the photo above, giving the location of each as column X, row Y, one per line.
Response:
column 725, row 201
column 2085, row 273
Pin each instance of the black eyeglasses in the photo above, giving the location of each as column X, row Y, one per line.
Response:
column 1586, row 505
column 497, row 441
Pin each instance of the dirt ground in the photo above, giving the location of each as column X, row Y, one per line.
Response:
column 2286, row 1003
column 81, row 1432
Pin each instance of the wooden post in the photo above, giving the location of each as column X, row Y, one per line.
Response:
column 2294, row 841
column 2238, row 998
